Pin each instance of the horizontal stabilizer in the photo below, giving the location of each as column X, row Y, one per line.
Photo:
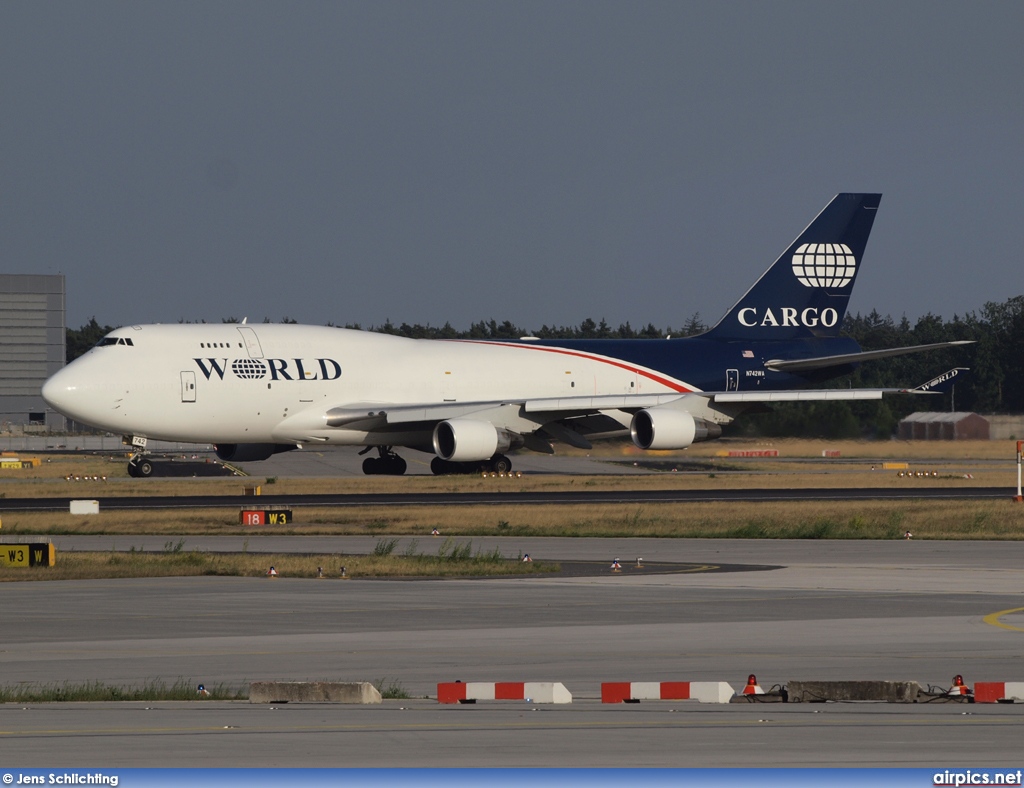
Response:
column 821, row 362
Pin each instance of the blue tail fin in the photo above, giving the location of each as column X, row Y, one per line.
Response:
column 805, row 292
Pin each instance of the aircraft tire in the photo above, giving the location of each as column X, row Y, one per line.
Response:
column 144, row 469
column 372, row 466
column 396, row 465
column 133, row 471
column 501, row 464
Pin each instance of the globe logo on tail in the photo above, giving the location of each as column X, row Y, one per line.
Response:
column 824, row 265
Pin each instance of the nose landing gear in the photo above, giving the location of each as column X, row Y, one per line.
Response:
column 139, row 467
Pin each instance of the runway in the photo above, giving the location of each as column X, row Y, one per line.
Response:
column 921, row 611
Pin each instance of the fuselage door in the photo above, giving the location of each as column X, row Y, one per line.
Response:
column 188, row 386
column 732, row 380
column 252, row 342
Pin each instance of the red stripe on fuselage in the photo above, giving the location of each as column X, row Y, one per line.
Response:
column 681, row 388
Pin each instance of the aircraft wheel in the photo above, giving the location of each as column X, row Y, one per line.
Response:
column 371, row 466
column 396, row 465
column 440, row 467
column 144, row 469
column 133, row 471
column 501, row 464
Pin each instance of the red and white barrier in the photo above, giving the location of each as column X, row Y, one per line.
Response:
column 992, row 691
column 535, row 691
column 703, row 691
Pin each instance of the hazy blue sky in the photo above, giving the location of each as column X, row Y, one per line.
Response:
column 540, row 162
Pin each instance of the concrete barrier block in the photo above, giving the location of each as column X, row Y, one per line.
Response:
column 711, row 691
column 547, row 692
column 888, row 691
column 85, row 507
column 313, row 692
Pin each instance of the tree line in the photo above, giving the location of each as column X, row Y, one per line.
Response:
column 995, row 383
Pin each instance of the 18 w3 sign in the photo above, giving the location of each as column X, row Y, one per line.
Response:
column 265, row 517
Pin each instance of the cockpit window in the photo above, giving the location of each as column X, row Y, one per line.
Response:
column 115, row 341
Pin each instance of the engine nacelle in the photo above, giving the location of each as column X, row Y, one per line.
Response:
column 465, row 440
column 250, row 452
column 666, row 428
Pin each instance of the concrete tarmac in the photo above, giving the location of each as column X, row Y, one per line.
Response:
column 921, row 611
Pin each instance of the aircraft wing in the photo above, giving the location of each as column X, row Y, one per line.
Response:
column 821, row 362
column 937, row 385
column 797, row 395
column 552, row 415
column 373, row 415
column 379, row 414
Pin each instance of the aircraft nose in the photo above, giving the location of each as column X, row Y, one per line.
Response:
column 59, row 391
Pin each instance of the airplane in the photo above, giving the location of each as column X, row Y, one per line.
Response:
column 256, row 390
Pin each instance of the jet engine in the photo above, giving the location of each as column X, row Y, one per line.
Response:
column 465, row 440
column 666, row 428
column 250, row 452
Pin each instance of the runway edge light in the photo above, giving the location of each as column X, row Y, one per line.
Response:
column 752, row 688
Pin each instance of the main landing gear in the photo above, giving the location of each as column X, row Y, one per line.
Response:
column 139, row 467
column 387, row 464
column 499, row 463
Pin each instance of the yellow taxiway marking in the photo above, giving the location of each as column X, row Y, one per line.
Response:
column 993, row 619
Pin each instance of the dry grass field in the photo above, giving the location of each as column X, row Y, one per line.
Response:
column 457, row 561
column 799, row 464
column 926, row 519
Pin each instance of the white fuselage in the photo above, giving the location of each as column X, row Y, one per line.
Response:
column 228, row 383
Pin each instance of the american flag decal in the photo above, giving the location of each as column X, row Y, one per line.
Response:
column 748, row 354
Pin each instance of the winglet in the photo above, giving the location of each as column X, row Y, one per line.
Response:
column 942, row 384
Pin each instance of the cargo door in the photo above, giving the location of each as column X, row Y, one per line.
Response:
column 252, row 342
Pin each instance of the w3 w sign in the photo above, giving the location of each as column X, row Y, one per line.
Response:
column 41, row 554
